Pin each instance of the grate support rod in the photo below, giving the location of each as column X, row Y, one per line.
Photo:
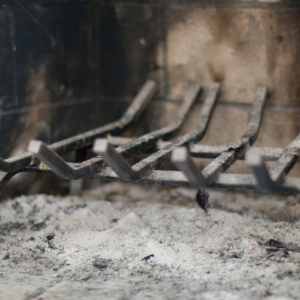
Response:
column 177, row 178
column 207, row 151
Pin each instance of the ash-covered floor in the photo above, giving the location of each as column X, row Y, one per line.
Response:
column 92, row 247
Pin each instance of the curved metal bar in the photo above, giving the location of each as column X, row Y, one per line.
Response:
column 237, row 149
column 50, row 158
column 157, row 159
column 86, row 139
column 16, row 163
column 149, row 140
column 267, row 181
column 94, row 165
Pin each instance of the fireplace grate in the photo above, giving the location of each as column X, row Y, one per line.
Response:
column 111, row 163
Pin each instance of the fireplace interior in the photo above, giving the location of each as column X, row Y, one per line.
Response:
column 116, row 116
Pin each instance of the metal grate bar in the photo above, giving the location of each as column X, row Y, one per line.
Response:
column 149, row 140
column 115, row 160
column 267, row 181
column 157, row 159
column 86, row 139
column 94, row 165
column 50, row 158
column 147, row 165
column 260, row 171
column 181, row 158
column 286, row 161
column 111, row 165
column 237, row 149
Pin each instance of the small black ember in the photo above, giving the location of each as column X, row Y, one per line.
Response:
column 202, row 199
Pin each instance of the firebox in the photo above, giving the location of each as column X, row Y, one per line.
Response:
column 183, row 89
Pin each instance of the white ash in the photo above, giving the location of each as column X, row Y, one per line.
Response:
column 88, row 248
